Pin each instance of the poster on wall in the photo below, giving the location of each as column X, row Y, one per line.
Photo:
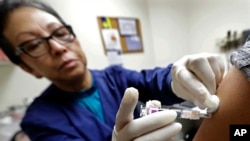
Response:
column 111, row 39
column 133, row 43
column 127, row 26
column 114, row 57
column 113, row 46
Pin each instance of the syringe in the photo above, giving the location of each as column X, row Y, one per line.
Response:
column 181, row 113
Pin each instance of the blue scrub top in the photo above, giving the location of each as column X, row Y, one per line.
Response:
column 57, row 116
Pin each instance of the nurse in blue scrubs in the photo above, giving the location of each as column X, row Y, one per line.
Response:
column 83, row 104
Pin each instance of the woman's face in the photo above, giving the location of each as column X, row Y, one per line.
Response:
column 62, row 62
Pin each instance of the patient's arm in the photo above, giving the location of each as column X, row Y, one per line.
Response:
column 234, row 94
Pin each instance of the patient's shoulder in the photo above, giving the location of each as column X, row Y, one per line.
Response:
column 234, row 94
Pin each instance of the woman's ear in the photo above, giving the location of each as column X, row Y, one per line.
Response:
column 29, row 70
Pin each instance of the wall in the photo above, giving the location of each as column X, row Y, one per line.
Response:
column 182, row 27
column 15, row 85
column 169, row 24
column 210, row 20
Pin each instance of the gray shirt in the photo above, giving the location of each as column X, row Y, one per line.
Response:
column 241, row 59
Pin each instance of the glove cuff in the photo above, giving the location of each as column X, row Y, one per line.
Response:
column 172, row 87
column 114, row 134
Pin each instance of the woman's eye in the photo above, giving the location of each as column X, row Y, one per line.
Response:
column 33, row 45
column 61, row 34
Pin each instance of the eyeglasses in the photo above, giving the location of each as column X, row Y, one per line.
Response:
column 40, row 46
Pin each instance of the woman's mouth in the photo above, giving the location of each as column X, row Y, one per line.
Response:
column 68, row 64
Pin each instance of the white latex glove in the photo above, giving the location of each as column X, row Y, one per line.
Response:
column 158, row 126
column 196, row 77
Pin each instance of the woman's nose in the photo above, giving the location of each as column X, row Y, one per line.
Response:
column 56, row 48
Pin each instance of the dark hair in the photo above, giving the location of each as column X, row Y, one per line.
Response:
column 6, row 7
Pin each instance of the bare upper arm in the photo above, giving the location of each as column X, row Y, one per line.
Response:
column 234, row 94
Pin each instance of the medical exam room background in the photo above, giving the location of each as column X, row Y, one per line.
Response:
column 170, row 29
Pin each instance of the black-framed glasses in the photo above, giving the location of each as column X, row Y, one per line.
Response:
column 40, row 46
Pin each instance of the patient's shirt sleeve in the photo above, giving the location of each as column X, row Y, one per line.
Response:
column 241, row 59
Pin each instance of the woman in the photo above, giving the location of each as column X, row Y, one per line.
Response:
column 81, row 104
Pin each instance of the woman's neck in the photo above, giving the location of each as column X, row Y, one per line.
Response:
column 77, row 84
